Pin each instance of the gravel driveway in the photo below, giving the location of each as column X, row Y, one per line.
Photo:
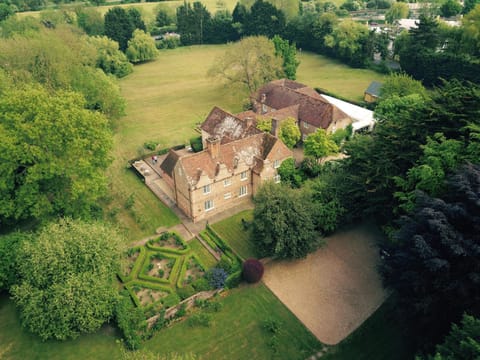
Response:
column 335, row 289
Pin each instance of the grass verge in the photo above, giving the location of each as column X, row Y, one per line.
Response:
column 233, row 232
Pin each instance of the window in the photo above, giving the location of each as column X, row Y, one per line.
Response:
column 208, row 205
column 276, row 164
column 243, row 191
column 305, row 125
column 277, row 179
column 304, row 137
column 227, row 195
column 243, row 175
column 227, row 182
column 206, row 189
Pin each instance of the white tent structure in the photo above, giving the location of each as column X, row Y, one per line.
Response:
column 362, row 118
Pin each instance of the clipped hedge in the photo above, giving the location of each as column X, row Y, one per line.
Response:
column 144, row 284
column 184, row 269
column 150, row 245
column 136, row 266
column 143, row 276
column 205, row 237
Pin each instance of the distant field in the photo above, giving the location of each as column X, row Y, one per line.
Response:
column 322, row 72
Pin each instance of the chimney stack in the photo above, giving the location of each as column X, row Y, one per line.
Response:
column 275, row 128
column 213, row 146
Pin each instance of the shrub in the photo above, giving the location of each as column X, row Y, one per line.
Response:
column 252, row 270
column 130, row 202
column 201, row 284
column 200, row 319
column 150, row 145
column 130, row 320
column 216, row 277
column 186, row 291
column 233, row 280
column 170, row 300
column 272, row 325
column 196, row 144
column 225, row 263
column 182, row 310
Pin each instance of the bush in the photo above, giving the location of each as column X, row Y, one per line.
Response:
column 201, row 284
column 252, row 270
column 186, row 291
column 168, row 43
column 196, row 144
column 272, row 325
column 131, row 321
column 182, row 310
column 200, row 319
column 216, row 277
column 150, row 145
column 233, row 280
column 170, row 300
column 225, row 263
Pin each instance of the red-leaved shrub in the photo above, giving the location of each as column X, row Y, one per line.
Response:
column 252, row 270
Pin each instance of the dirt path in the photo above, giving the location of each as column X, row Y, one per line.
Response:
column 333, row 290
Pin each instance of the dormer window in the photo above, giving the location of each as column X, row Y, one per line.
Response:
column 243, row 176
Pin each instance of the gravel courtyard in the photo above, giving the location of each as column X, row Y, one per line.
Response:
column 336, row 288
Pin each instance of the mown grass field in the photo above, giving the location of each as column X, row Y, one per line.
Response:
column 237, row 332
column 233, row 232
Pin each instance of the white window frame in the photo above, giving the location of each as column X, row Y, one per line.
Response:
column 243, row 175
column 276, row 164
column 227, row 195
column 207, row 189
column 305, row 125
column 277, row 178
column 243, row 191
column 227, row 182
column 208, row 205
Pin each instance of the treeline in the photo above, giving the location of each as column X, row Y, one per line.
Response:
column 433, row 51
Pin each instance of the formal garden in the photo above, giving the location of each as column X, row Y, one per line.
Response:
column 167, row 270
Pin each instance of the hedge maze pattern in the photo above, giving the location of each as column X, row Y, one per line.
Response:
column 156, row 271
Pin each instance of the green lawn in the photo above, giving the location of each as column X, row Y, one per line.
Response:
column 237, row 331
column 232, row 231
column 205, row 257
column 322, row 72
column 16, row 343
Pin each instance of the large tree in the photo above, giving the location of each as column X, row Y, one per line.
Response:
column 283, row 223
column 109, row 57
column 462, row 343
column 53, row 154
column 119, row 26
column 193, row 22
column 141, row 47
column 250, row 63
column 67, row 278
column 288, row 52
column 433, row 268
column 265, row 19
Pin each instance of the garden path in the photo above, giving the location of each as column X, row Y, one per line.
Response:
column 335, row 289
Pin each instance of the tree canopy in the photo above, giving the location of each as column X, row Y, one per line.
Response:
column 290, row 133
column 54, row 153
column 141, row 47
column 283, row 225
column 319, row 144
column 67, row 277
column 434, row 268
column 249, row 63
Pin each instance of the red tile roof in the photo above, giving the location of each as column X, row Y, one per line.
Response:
column 228, row 126
column 313, row 109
